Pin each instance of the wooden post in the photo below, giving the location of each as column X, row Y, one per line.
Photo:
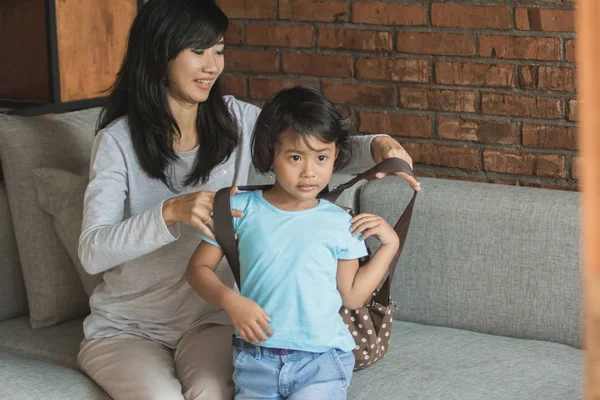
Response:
column 588, row 57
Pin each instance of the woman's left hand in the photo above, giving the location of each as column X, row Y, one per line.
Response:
column 384, row 147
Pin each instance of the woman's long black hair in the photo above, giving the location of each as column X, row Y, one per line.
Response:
column 160, row 31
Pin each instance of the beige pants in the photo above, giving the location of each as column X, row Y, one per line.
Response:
column 129, row 367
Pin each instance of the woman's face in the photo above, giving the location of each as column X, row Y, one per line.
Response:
column 193, row 73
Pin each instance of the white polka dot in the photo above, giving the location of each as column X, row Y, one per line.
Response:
column 369, row 331
column 361, row 365
column 366, row 317
column 382, row 348
column 352, row 319
column 372, row 345
column 347, row 326
column 354, row 333
column 363, row 340
column 360, row 326
column 383, row 326
column 357, row 311
column 357, row 347
column 346, row 311
column 374, row 293
column 389, row 311
column 375, row 359
column 365, row 353
column 366, row 358
column 378, row 340
column 387, row 334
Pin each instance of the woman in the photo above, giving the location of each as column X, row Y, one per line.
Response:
column 167, row 140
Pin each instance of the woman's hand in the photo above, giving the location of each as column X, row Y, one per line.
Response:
column 374, row 225
column 384, row 147
column 249, row 319
column 194, row 209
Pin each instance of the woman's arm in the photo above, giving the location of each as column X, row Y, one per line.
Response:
column 106, row 239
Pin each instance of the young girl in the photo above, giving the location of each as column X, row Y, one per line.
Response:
column 298, row 256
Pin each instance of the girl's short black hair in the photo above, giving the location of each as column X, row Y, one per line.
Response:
column 161, row 30
column 305, row 112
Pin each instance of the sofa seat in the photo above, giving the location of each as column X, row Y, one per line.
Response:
column 427, row 362
column 424, row 362
column 58, row 344
column 24, row 378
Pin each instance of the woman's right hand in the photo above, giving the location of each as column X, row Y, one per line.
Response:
column 194, row 209
column 249, row 319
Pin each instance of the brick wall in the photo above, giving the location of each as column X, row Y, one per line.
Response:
column 477, row 89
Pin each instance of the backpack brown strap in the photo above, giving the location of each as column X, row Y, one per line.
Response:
column 225, row 235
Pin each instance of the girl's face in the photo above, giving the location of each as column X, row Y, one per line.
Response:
column 303, row 167
column 193, row 73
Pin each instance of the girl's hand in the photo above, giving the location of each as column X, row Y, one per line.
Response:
column 249, row 319
column 373, row 225
column 384, row 147
column 194, row 209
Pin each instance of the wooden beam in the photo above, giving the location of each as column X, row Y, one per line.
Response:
column 588, row 57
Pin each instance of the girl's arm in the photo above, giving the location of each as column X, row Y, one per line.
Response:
column 357, row 284
column 249, row 319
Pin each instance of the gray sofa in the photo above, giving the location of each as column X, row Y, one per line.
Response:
column 488, row 287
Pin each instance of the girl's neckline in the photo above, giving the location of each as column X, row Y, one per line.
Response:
column 262, row 199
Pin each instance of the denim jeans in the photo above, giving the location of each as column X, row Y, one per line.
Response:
column 263, row 373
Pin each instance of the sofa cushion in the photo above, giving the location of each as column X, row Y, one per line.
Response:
column 426, row 362
column 58, row 343
column 23, row 378
column 60, row 194
column 489, row 258
column 54, row 290
column 13, row 301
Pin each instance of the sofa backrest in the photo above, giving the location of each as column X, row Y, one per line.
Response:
column 489, row 258
column 13, row 300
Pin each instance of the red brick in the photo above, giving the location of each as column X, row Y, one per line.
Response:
column 477, row 130
column 355, row 39
column 576, row 167
column 509, row 162
column 285, row 36
column 545, row 19
column 388, row 14
column 573, row 105
column 463, row 157
column 521, row 106
column 467, row 16
column 570, row 50
column 251, row 61
column 450, row 44
column 310, row 10
column 264, row 88
column 234, row 34
column 317, row 64
column 393, row 69
column 360, row 94
column 457, row 73
column 548, row 136
column 437, row 99
column 519, row 47
column 396, row 124
column 234, row 85
column 260, row 9
column 548, row 78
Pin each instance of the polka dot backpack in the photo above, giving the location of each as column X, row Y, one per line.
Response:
column 371, row 324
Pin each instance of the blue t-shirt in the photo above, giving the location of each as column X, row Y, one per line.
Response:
column 288, row 265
